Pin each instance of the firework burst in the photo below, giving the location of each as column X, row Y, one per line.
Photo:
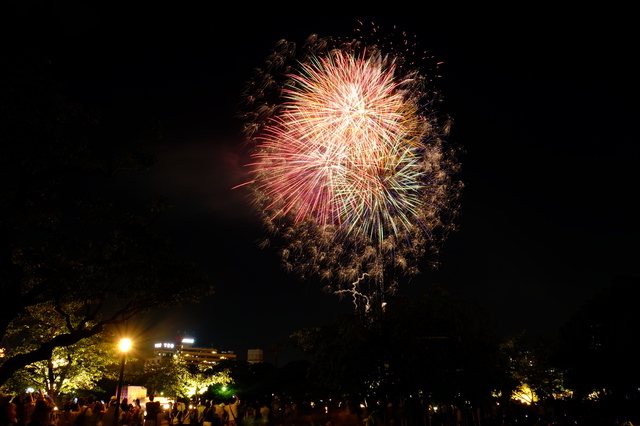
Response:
column 348, row 163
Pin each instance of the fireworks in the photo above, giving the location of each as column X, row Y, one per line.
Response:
column 348, row 163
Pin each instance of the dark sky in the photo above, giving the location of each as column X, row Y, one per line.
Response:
column 544, row 102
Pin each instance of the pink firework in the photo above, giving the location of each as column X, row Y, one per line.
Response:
column 348, row 163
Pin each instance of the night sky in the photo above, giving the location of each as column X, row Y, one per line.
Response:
column 544, row 103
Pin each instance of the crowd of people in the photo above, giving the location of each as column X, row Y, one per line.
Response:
column 218, row 412
column 40, row 411
column 89, row 412
column 275, row 412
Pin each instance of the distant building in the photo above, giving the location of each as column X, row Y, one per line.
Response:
column 184, row 347
column 255, row 356
column 205, row 356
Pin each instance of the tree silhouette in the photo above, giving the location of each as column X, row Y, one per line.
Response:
column 599, row 347
column 71, row 241
column 433, row 346
column 530, row 366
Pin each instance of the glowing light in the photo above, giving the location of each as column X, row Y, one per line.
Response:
column 348, row 163
column 125, row 345
column 524, row 394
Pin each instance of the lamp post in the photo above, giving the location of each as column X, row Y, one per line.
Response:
column 125, row 345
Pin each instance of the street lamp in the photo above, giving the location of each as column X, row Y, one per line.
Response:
column 125, row 345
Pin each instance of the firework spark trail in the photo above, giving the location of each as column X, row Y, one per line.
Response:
column 348, row 163
column 345, row 149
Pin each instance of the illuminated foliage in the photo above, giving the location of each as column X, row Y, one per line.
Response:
column 533, row 375
column 75, row 368
column 174, row 377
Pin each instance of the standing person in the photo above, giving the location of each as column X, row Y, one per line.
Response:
column 189, row 415
column 277, row 413
column 218, row 407
column 110, row 412
column 249, row 416
column 207, row 415
column 163, row 416
column 216, row 420
column 42, row 414
column 135, row 413
column 98, row 413
column 25, row 408
column 85, row 413
column 153, row 409
column 124, row 418
column 66, row 417
column 181, row 405
column 231, row 409
column 265, row 411
column 18, row 405
column 8, row 412
column 134, row 408
column 200, row 412
column 291, row 414
column 91, row 403
column 175, row 415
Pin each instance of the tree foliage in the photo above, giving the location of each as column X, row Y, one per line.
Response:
column 530, row 367
column 599, row 346
column 72, row 369
column 72, row 243
column 172, row 376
